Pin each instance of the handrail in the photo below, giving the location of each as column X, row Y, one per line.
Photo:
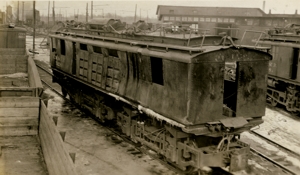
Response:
column 231, row 29
column 129, row 42
column 253, row 31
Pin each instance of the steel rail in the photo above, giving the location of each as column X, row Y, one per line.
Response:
column 273, row 161
column 277, row 144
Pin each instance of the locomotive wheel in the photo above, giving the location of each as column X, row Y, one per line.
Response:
column 64, row 92
column 273, row 102
column 295, row 112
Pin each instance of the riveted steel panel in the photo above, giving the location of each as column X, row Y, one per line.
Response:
column 251, row 93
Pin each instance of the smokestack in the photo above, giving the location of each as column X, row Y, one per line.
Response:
column 269, row 11
column 296, row 12
column 264, row 5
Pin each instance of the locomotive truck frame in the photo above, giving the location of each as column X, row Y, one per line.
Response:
column 167, row 93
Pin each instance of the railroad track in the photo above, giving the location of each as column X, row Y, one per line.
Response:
column 139, row 149
column 277, row 163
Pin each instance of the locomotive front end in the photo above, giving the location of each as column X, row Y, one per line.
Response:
column 227, row 91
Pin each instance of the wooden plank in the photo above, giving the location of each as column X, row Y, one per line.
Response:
column 47, row 136
column 16, row 89
column 12, row 93
column 53, row 143
column 18, row 130
column 34, row 77
column 23, row 112
column 18, row 121
column 12, row 51
column 19, row 102
column 53, row 153
column 7, row 59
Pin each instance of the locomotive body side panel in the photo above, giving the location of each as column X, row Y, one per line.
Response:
column 82, row 58
column 144, row 80
column 205, row 88
column 170, row 98
column 131, row 84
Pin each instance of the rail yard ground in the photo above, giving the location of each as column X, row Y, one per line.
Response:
column 98, row 152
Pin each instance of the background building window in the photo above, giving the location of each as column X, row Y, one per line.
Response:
column 184, row 18
column 196, row 19
column 268, row 22
column 171, row 11
column 202, row 19
column 256, row 22
column 172, row 18
column 275, row 23
column 166, row 18
column 177, row 18
column 249, row 22
column 226, row 20
column 213, row 19
column 190, row 18
column 231, row 20
column 220, row 19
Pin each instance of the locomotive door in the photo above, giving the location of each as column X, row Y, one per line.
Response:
column 74, row 58
column 230, row 89
column 251, row 89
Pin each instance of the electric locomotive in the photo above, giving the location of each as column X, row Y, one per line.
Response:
column 187, row 98
column 284, row 73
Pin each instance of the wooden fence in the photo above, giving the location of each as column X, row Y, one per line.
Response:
column 58, row 160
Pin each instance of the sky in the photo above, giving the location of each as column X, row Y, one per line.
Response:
column 127, row 8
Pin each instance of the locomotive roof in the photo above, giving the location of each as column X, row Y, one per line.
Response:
column 176, row 52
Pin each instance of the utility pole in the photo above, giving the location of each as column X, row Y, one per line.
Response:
column 135, row 14
column 18, row 14
column 23, row 14
column 91, row 9
column 87, row 12
column 53, row 13
column 48, row 11
column 140, row 14
column 33, row 46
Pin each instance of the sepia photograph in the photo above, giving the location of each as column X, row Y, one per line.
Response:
column 147, row 87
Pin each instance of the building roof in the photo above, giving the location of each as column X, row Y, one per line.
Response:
column 207, row 11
